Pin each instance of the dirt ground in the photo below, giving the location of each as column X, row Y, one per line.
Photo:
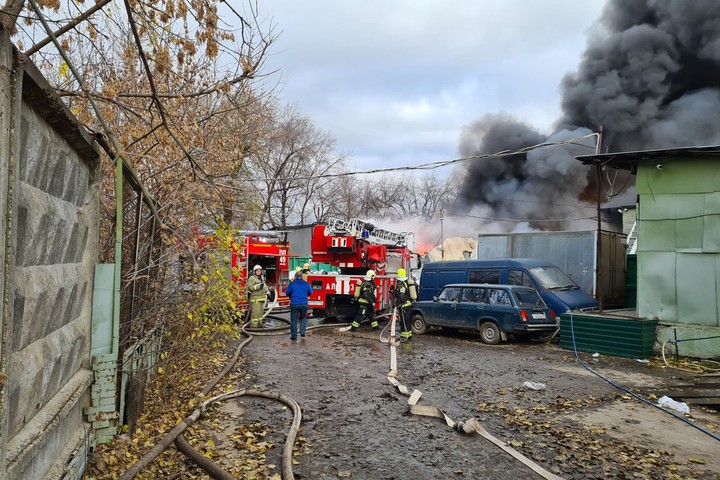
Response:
column 357, row 425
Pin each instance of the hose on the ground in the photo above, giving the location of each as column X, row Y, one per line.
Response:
column 470, row 426
column 201, row 460
column 170, row 437
column 629, row 392
column 692, row 367
column 166, row 441
column 178, row 430
column 215, row 471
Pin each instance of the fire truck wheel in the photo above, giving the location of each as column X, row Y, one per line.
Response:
column 418, row 324
column 490, row 333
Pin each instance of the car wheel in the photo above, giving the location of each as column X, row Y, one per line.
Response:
column 490, row 333
column 418, row 324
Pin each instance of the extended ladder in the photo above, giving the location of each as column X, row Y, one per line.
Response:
column 360, row 229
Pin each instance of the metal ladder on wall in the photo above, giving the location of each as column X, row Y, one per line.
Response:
column 632, row 239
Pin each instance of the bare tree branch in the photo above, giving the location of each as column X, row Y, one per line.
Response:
column 72, row 24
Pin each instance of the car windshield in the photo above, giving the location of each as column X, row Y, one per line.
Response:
column 552, row 278
column 528, row 298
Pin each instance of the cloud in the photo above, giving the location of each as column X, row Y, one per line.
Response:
column 396, row 81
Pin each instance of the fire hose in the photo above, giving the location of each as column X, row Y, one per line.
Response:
column 469, row 427
column 175, row 434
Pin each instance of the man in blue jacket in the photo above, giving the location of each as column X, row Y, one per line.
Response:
column 299, row 290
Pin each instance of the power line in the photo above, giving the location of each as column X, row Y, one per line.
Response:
column 423, row 166
column 521, row 221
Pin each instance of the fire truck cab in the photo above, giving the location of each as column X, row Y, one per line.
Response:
column 269, row 249
column 355, row 247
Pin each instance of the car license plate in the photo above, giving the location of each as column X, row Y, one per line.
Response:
column 538, row 316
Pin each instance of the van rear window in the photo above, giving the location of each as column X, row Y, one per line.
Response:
column 484, row 276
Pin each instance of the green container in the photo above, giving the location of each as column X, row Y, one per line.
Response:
column 608, row 335
column 315, row 267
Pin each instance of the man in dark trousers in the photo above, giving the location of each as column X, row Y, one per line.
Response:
column 298, row 290
column 404, row 294
column 365, row 296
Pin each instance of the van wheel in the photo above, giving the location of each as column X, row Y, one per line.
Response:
column 418, row 324
column 489, row 333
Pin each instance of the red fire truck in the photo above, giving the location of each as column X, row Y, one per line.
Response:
column 355, row 247
column 269, row 249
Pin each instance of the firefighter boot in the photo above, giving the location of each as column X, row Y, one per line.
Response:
column 355, row 326
column 374, row 324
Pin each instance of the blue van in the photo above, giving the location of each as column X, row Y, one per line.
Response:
column 558, row 290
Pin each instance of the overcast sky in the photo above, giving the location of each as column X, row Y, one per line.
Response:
column 395, row 81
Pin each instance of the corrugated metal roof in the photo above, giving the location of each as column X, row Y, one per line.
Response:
column 630, row 160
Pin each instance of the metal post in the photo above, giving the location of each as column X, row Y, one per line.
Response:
column 598, row 248
column 442, row 236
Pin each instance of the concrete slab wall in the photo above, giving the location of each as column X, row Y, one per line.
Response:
column 51, row 200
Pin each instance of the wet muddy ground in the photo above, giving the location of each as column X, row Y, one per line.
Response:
column 357, row 425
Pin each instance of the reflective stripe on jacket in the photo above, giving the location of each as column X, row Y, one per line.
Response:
column 255, row 292
column 402, row 294
column 365, row 292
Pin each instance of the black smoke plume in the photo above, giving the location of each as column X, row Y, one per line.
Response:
column 650, row 78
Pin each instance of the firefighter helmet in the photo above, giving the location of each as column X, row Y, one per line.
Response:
column 298, row 269
column 401, row 274
column 306, row 266
column 370, row 275
column 256, row 268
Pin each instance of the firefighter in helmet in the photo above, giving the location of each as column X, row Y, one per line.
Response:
column 404, row 293
column 305, row 271
column 257, row 296
column 365, row 297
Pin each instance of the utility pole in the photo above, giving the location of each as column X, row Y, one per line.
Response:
column 442, row 236
column 598, row 245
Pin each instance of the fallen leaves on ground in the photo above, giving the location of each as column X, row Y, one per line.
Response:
column 541, row 432
column 170, row 398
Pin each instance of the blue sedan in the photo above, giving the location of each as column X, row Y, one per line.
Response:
column 492, row 310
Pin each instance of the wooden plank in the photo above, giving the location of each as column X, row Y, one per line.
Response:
column 701, row 386
column 693, row 393
column 705, row 401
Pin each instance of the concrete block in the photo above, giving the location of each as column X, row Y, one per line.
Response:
column 41, row 369
column 39, row 445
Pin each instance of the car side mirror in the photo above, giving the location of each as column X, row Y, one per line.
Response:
column 435, row 298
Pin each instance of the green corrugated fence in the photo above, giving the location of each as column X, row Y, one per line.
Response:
column 607, row 335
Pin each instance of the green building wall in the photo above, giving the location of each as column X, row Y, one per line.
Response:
column 679, row 252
